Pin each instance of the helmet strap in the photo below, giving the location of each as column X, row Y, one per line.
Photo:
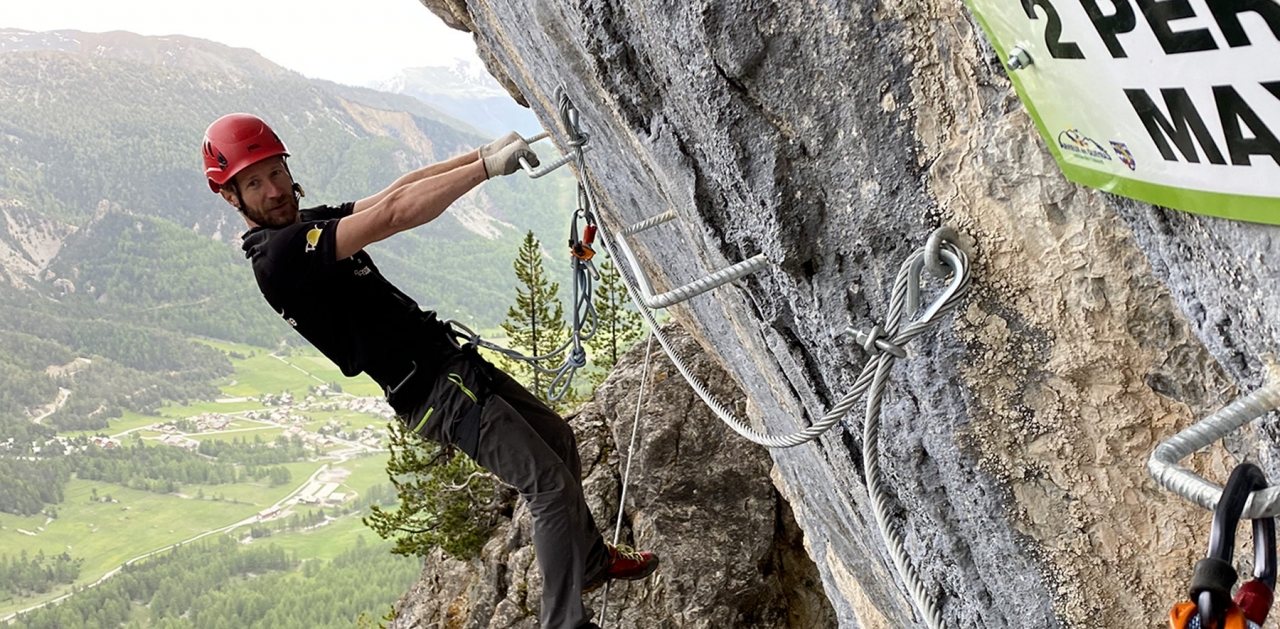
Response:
column 298, row 192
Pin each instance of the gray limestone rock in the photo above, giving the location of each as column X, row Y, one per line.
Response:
column 833, row 137
column 732, row 554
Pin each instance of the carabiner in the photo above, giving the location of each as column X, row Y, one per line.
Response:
column 1215, row 575
column 581, row 247
column 581, row 251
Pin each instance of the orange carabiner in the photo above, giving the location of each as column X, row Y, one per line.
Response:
column 581, row 251
column 581, row 247
column 1212, row 606
column 1186, row 616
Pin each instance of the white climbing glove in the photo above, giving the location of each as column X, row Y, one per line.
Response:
column 498, row 144
column 507, row 159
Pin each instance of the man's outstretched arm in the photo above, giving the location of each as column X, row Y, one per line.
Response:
column 423, row 200
column 433, row 170
column 438, row 168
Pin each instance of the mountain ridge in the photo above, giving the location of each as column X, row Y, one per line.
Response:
column 178, row 51
column 79, row 138
column 466, row 91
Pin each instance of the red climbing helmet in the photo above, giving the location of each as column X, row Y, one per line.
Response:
column 234, row 142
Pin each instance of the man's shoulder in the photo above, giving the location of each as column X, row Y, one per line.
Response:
column 261, row 241
column 291, row 252
column 327, row 212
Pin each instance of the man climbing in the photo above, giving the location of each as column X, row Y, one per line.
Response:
column 312, row 268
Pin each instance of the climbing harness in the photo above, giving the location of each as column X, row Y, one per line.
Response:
column 1211, row 605
column 943, row 255
column 573, row 350
column 1164, row 467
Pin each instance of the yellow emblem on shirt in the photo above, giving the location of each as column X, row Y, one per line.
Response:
column 313, row 239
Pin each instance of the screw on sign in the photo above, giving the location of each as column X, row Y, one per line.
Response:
column 1211, row 605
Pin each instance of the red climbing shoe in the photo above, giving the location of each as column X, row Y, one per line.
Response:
column 625, row 563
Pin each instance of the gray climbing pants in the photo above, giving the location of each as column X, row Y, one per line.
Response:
column 506, row 430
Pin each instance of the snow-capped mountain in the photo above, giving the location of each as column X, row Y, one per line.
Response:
column 466, row 91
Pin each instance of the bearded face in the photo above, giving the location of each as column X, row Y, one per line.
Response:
column 266, row 196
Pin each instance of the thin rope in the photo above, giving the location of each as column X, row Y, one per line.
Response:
column 631, row 448
column 626, row 474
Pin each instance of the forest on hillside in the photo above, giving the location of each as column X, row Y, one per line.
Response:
column 221, row 584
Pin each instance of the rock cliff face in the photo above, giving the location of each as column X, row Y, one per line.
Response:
column 832, row 137
column 732, row 554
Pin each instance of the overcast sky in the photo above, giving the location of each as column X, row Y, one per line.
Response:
column 349, row 41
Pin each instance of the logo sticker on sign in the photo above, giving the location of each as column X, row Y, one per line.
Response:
column 1082, row 146
column 1126, row 157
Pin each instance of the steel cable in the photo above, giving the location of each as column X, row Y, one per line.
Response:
column 885, row 344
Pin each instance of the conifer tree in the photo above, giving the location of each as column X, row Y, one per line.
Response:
column 617, row 327
column 535, row 324
column 445, row 499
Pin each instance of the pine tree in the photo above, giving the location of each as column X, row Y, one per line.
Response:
column 535, row 324
column 618, row 326
column 445, row 499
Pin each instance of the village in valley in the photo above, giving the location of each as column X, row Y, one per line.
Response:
column 285, row 454
column 311, row 421
column 296, row 418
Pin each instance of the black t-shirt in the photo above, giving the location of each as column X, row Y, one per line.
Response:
column 346, row 308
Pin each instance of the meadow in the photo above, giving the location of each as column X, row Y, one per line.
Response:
column 106, row 524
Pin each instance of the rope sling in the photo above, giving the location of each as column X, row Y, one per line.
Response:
column 585, row 318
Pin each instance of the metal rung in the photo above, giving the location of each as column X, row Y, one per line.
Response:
column 664, row 217
column 1164, row 468
column 547, row 168
column 692, row 289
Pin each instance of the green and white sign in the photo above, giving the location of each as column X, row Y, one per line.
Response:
column 1173, row 102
